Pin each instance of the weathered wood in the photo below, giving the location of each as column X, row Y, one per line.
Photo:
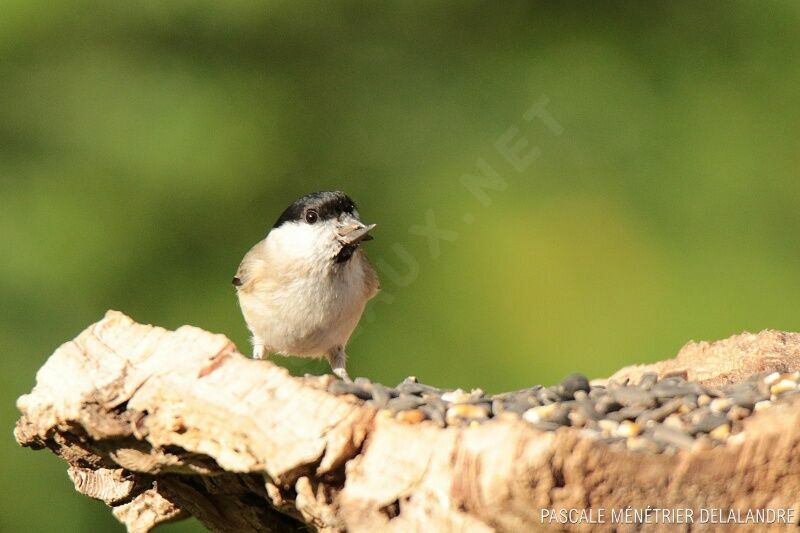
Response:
column 161, row 425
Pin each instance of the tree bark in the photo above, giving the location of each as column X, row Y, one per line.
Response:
column 161, row 425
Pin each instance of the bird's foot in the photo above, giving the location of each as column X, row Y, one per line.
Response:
column 258, row 351
column 342, row 373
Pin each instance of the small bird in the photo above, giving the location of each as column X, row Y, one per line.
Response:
column 303, row 289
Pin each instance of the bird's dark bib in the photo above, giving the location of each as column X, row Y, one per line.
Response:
column 346, row 253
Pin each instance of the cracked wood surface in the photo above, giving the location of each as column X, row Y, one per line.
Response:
column 161, row 425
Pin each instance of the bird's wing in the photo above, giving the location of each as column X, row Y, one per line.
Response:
column 252, row 263
column 371, row 281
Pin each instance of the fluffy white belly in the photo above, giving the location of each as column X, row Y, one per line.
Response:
column 310, row 315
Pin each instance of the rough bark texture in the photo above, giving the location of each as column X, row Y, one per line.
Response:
column 161, row 425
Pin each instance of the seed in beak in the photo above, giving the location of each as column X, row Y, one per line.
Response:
column 355, row 233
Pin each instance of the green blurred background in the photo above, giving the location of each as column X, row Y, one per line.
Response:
column 144, row 147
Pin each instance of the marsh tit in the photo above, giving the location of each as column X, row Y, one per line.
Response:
column 303, row 289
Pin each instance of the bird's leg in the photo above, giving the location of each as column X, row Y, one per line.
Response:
column 259, row 351
column 337, row 358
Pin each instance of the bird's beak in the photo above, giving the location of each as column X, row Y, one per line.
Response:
column 353, row 232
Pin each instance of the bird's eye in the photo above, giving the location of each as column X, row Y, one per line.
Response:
column 311, row 216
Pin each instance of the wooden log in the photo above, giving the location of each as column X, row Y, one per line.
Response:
column 161, row 425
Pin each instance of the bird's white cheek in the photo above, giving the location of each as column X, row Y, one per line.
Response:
column 298, row 241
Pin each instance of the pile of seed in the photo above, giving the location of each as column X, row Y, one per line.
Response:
column 650, row 415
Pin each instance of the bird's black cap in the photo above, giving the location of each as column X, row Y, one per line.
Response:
column 327, row 204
